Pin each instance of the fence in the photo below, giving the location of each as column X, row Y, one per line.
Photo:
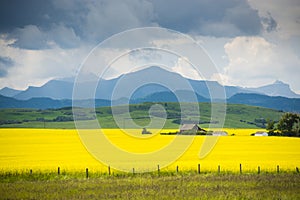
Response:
column 198, row 170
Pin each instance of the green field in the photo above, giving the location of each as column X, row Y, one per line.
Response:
column 188, row 185
column 237, row 116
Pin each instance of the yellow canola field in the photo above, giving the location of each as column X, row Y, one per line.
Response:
column 47, row 149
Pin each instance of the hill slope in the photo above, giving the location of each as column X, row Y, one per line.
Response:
column 46, row 103
column 237, row 116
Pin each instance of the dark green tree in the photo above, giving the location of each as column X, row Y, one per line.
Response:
column 289, row 124
column 296, row 128
column 270, row 127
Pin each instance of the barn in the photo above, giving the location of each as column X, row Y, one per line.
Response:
column 190, row 128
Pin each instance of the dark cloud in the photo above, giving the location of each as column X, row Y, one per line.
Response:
column 209, row 17
column 33, row 38
column 67, row 22
column 105, row 18
column 5, row 63
column 64, row 36
column 17, row 14
column 29, row 37
column 269, row 23
column 35, row 24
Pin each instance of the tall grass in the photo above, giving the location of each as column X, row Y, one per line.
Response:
column 164, row 185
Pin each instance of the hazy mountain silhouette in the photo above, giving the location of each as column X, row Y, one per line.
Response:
column 277, row 103
column 8, row 92
column 151, row 84
column 278, row 88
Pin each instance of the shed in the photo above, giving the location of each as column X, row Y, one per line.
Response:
column 190, row 127
column 261, row 133
column 219, row 133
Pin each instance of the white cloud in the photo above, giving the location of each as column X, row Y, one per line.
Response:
column 254, row 61
column 114, row 62
column 183, row 67
column 107, row 63
column 35, row 67
column 214, row 47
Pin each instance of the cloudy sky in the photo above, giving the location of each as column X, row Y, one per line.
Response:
column 252, row 42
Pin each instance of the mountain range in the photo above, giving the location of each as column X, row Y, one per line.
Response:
column 58, row 93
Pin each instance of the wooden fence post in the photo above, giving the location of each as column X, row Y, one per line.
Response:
column 198, row 168
column 240, row 168
column 219, row 169
column 87, row 173
column 108, row 170
column 177, row 168
column 158, row 169
column 277, row 168
column 30, row 171
column 297, row 169
column 58, row 171
column 258, row 170
column 133, row 170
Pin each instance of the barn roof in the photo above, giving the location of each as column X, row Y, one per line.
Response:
column 260, row 132
column 188, row 126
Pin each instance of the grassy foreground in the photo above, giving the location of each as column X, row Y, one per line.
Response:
column 151, row 186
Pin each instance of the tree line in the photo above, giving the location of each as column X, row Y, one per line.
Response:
column 288, row 125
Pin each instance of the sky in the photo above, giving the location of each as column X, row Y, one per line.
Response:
column 252, row 42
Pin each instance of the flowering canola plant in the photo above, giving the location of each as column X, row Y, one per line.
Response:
column 47, row 149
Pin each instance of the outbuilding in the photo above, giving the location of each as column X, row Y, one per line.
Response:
column 261, row 133
column 219, row 133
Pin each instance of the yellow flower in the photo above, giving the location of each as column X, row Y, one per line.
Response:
column 47, row 149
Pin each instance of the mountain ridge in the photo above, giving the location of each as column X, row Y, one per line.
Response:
column 278, row 88
column 63, row 88
column 9, row 92
column 276, row 103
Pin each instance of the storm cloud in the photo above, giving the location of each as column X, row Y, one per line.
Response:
column 42, row 40
column 38, row 24
column 65, row 23
column 226, row 18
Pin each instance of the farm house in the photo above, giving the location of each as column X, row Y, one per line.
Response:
column 261, row 133
column 190, row 128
